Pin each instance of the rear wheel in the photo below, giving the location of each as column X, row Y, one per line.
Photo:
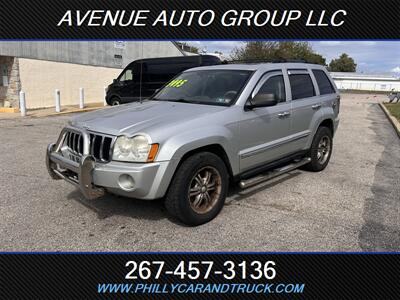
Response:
column 321, row 150
column 198, row 190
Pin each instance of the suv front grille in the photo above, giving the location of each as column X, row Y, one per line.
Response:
column 99, row 145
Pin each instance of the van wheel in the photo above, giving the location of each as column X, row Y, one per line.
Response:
column 321, row 150
column 115, row 101
column 198, row 190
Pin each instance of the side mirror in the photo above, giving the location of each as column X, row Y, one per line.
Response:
column 117, row 82
column 262, row 100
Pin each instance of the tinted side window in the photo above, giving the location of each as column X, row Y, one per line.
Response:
column 324, row 84
column 164, row 71
column 274, row 85
column 301, row 85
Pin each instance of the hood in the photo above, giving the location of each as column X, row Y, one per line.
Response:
column 141, row 117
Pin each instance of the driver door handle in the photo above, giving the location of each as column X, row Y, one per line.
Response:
column 316, row 106
column 284, row 114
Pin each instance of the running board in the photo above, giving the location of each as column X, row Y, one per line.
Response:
column 274, row 173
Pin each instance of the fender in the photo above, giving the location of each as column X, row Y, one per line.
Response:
column 178, row 145
column 325, row 113
column 109, row 97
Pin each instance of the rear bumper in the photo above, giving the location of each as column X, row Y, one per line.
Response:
column 147, row 180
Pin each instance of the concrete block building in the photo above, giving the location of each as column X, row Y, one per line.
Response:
column 38, row 68
column 366, row 82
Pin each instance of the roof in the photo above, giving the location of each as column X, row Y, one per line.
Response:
column 93, row 53
column 171, row 59
column 259, row 66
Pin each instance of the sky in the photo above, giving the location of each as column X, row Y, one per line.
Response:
column 370, row 56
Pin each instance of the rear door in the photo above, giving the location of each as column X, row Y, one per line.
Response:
column 326, row 89
column 305, row 103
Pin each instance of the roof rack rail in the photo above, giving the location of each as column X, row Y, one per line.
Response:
column 257, row 61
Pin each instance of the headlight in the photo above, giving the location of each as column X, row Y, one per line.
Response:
column 135, row 149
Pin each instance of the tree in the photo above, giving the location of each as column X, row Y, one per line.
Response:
column 277, row 51
column 342, row 64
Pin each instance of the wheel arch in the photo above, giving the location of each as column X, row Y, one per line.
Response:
column 321, row 120
column 111, row 97
column 327, row 123
column 216, row 149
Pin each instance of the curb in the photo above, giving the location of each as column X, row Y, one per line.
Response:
column 29, row 113
column 10, row 110
column 69, row 112
column 393, row 120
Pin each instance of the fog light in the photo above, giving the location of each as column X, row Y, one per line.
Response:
column 126, row 182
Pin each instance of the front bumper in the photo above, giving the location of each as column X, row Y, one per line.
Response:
column 149, row 180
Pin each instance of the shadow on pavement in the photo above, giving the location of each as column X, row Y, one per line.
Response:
column 110, row 205
column 380, row 231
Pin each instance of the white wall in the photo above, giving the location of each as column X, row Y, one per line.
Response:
column 367, row 85
column 40, row 78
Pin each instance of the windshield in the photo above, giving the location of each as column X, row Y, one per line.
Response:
column 215, row 87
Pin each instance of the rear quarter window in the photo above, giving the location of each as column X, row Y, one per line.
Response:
column 324, row 84
column 301, row 86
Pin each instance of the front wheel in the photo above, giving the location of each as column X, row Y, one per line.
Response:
column 321, row 150
column 198, row 190
column 115, row 101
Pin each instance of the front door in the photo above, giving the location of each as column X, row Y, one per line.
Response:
column 126, row 86
column 264, row 131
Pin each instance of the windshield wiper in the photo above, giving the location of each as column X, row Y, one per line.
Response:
column 174, row 100
column 182, row 100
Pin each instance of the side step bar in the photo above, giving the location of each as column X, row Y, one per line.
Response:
column 272, row 174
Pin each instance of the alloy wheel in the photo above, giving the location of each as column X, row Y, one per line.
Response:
column 205, row 189
column 324, row 149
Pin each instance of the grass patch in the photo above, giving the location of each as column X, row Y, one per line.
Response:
column 394, row 109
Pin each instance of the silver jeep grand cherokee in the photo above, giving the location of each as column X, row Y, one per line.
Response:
column 208, row 127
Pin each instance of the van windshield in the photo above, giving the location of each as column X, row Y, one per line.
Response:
column 214, row 87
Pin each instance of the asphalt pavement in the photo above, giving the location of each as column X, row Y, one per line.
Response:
column 353, row 205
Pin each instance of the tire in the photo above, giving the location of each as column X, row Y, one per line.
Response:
column 189, row 198
column 320, row 154
column 115, row 101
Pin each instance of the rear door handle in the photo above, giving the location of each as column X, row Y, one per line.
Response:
column 316, row 106
column 284, row 114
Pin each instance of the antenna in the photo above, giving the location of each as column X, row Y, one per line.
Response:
column 141, row 74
